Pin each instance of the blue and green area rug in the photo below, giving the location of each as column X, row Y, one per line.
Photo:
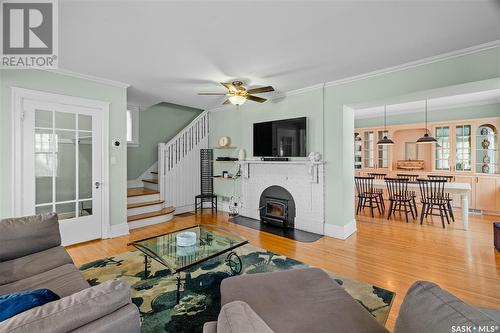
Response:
column 200, row 296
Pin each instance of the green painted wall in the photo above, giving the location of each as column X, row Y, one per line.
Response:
column 66, row 85
column 159, row 123
column 332, row 125
column 237, row 124
column 481, row 111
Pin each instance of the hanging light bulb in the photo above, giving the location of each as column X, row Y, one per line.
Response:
column 385, row 141
column 427, row 138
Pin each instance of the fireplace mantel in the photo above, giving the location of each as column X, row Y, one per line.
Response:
column 304, row 180
column 312, row 167
column 304, row 162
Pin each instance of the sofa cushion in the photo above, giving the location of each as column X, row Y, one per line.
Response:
column 72, row 312
column 63, row 280
column 27, row 235
column 126, row 320
column 13, row 304
column 428, row 308
column 210, row 327
column 238, row 317
column 32, row 264
column 300, row 300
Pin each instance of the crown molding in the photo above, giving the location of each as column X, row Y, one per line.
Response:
column 88, row 77
column 416, row 63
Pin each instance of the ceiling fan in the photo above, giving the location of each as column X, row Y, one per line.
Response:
column 238, row 94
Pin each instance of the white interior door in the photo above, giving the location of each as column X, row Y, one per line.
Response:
column 62, row 167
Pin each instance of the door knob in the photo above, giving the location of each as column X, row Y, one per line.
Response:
column 97, row 185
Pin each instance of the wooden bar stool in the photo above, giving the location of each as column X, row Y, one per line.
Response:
column 367, row 195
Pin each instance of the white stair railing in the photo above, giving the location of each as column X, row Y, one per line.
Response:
column 179, row 165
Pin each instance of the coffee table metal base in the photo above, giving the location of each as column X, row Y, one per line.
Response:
column 233, row 261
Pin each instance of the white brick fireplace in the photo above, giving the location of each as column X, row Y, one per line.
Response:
column 303, row 179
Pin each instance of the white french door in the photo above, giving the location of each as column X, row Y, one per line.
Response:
column 62, row 166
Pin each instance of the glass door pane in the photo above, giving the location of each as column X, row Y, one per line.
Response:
column 383, row 151
column 368, row 150
column 463, row 158
column 442, row 148
column 63, row 163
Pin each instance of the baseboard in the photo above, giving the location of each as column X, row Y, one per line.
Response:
column 118, row 230
column 340, row 232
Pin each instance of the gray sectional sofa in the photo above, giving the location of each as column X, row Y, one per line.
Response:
column 308, row 300
column 31, row 257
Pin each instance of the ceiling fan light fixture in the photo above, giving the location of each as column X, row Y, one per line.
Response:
column 237, row 99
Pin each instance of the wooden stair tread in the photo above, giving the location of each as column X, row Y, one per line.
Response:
column 137, row 191
column 152, row 181
column 145, row 203
column 164, row 211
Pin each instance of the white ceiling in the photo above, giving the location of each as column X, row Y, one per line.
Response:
column 169, row 51
column 433, row 104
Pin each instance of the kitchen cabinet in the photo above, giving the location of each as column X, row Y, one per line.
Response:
column 486, row 193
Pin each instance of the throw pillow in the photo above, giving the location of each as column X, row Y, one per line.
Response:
column 12, row 304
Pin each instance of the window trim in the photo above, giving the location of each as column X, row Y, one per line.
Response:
column 134, row 118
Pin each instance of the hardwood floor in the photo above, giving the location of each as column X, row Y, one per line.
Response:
column 389, row 254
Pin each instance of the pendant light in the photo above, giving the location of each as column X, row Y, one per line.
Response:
column 385, row 141
column 426, row 138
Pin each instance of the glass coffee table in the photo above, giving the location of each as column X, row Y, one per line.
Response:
column 211, row 241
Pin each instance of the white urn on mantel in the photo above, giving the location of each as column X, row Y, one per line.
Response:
column 241, row 154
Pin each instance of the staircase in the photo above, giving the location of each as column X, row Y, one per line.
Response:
column 171, row 184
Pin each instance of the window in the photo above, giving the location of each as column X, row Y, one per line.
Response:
column 133, row 126
column 368, row 150
column 442, row 148
column 463, row 148
column 383, row 151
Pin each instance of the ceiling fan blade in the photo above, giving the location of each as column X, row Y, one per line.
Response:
column 256, row 99
column 260, row 90
column 226, row 102
column 229, row 86
column 212, row 94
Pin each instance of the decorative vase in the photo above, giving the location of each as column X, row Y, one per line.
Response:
column 486, row 159
column 485, row 144
column 241, row 155
column 484, row 131
column 486, row 168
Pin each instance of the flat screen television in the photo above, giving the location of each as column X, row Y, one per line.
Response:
column 283, row 138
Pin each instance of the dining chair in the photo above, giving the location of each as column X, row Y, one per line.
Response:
column 379, row 176
column 432, row 196
column 448, row 197
column 400, row 197
column 366, row 194
column 411, row 178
